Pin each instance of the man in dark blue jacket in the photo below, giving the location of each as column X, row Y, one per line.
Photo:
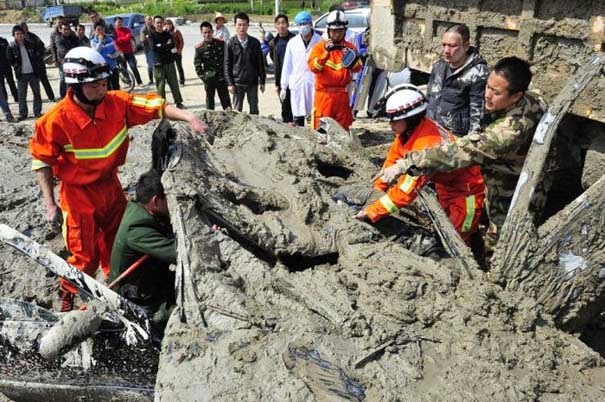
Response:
column 456, row 88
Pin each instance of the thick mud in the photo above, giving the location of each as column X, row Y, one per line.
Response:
column 295, row 300
column 298, row 301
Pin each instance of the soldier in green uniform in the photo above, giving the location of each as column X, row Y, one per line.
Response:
column 145, row 230
column 499, row 147
column 208, row 62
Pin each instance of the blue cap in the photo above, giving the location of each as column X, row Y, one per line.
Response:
column 303, row 17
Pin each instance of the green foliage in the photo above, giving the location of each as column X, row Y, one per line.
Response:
column 186, row 7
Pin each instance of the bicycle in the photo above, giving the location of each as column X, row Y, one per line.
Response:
column 127, row 81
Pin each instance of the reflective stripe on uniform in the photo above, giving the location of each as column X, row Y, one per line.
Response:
column 388, row 204
column 317, row 65
column 100, row 153
column 470, row 213
column 153, row 103
column 334, row 66
column 38, row 164
column 408, row 184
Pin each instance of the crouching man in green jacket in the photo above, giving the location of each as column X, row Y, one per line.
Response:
column 145, row 230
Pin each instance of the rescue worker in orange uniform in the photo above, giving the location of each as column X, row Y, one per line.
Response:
column 332, row 61
column 460, row 192
column 82, row 141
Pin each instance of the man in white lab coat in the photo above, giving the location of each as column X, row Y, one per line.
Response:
column 296, row 75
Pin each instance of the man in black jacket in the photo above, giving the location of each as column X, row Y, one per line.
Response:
column 164, row 71
column 244, row 66
column 64, row 42
column 22, row 56
column 278, row 52
column 456, row 88
column 6, row 72
column 40, row 50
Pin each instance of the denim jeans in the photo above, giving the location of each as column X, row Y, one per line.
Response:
column 132, row 62
column 150, row 62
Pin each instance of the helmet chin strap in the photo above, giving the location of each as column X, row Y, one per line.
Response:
column 82, row 98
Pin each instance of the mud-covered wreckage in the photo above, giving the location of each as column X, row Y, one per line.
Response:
column 294, row 300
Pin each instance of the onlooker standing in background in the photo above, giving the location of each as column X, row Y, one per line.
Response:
column 179, row 43
column 6, row 72
column 244, row 66
column 22, row 57
column 40, row 50
column 53, row 48
column 220, row 31
column 106, row 47
column 278, row 51
column 296, row 75
column 4, row 106
column 124, row 42
column 456, row 89
column 81, row 35
column 164, row 50
column 95, row 18
column 144, row 35
column 208, row 62
column 64, row 43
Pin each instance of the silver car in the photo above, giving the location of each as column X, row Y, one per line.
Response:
column 359, row 20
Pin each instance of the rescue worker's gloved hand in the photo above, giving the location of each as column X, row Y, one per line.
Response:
column 282, row 94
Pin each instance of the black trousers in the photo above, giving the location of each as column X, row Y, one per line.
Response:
column 223, row 94
column 286, row 109
column 10, row 80
column 50, row 94
column 178, row 58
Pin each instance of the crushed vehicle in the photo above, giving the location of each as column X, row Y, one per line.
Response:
column 293, row 299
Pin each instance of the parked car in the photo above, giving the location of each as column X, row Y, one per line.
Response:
column 359, row 20
column 132, row 21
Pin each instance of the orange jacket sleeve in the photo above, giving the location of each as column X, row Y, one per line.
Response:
column 44, row 146
column 318, row 57
column 141, row 108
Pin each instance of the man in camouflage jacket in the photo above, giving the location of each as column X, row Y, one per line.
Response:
column 500, row 147
column 456, row 87
column 208, row 62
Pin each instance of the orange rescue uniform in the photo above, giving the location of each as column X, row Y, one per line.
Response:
column 460, row 192
column 85, row 154
column 331, row 80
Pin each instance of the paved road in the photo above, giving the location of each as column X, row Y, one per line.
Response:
column 193, row 92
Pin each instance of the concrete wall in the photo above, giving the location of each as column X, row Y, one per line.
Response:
column 555, row 36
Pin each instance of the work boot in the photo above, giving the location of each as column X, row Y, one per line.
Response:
column 67, row 300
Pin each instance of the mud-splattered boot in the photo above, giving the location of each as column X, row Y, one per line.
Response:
column 67, row 300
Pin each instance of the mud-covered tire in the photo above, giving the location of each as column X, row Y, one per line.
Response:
column 594, row 164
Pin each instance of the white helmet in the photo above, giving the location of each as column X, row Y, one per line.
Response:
column 83, row 64
column 404, row 101
column 337, row 19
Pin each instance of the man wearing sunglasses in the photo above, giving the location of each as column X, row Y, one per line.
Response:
column 82, row 141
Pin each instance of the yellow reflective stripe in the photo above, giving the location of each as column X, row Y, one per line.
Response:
column 388, row 204
column 148, row 103
column 161, row 113
column 334, row 66
column 64, row 228
column 470, row 213
column 408, row 184
column 99, row 153
column 37, row 164
column 317, row 65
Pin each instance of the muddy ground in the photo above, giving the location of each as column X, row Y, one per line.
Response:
column 295, row 300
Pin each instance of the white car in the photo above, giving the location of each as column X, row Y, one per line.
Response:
column 359, row 20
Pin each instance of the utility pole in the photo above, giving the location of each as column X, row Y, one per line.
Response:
column 276, row 7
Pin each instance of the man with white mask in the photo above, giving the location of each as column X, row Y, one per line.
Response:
column 296, row 75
